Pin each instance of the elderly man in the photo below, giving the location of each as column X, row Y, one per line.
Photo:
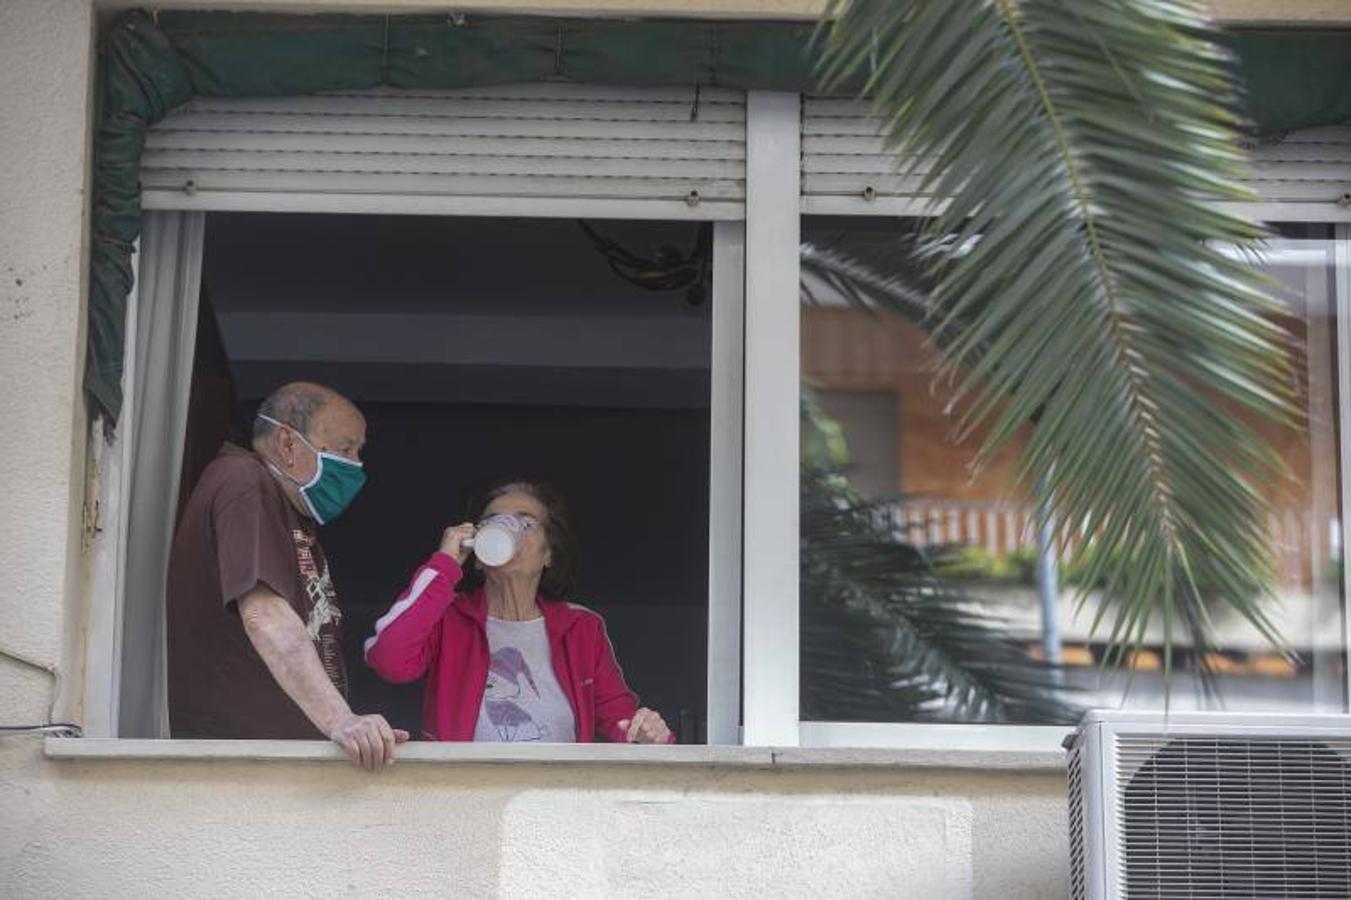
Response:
column 255, row 649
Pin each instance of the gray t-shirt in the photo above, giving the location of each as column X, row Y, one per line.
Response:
column 522, row 700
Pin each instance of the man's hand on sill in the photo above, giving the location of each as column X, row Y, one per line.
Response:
column 369, row 741
column 282, row 641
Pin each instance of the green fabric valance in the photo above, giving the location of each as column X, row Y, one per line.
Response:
column 1294, row 79
column 150, row 64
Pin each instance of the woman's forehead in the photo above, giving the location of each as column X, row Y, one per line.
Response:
column 517, row 502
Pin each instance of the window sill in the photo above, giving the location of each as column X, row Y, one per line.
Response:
column 117, row 749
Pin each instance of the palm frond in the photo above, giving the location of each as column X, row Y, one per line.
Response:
column 885, row 639
column 1079, row 148
column 871, row 271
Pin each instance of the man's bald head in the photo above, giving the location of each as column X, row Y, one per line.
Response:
column 294, row 404
column 327, row 419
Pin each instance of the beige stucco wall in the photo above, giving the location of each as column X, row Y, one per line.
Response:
column 115, row 829
column 174, row 829
column 298, row 829
column 45, row 62
column 1282, row 12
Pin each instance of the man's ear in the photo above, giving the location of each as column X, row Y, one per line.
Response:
column 284, row 445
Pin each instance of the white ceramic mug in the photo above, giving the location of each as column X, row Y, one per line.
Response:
column 496, row 540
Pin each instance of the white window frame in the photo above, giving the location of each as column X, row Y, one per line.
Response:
column 104, row 644
column 774, row 210
column 111, row 463
column 770, row 571
column 726, row 417
column 753, row 615
column 1342, row 298
column 1047, row 738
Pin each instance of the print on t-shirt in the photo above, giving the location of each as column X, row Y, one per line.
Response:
column 324, row 613
column 509, row 676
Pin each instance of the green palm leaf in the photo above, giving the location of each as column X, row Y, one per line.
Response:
column 883, row 637
column 1080, row 147
column 873, row 272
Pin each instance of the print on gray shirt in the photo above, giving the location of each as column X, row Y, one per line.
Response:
column 522, row 699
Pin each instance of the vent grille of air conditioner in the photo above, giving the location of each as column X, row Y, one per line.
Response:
column 1076, row 792
column 1232, row 816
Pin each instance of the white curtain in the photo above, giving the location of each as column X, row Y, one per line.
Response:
column 158, row 389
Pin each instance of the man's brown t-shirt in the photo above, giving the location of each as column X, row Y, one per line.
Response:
column 238, row 531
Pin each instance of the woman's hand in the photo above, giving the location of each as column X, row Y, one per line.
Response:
column 453, row 538
column 646, row 727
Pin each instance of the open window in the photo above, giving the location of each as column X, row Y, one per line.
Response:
column 481, row 349
column 542, row 280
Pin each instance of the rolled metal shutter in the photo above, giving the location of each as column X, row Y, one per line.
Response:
column 537, row 149
column 845, row 168
column 1306, row 176
column 1307, row 171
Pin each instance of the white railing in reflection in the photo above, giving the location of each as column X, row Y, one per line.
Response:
column 1004, row 528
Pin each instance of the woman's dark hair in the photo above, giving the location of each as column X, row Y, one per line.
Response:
column 556, row 582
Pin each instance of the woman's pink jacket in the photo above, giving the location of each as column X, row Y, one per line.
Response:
column 434, row 632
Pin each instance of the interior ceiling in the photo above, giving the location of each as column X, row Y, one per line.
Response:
column 264, row 262
column 419, row 308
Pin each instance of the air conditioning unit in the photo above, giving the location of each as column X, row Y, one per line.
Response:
column 1202, row 805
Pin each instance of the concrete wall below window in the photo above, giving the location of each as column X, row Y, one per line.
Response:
column 111, row 828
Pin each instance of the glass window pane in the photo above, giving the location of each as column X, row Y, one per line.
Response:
column 921, row 595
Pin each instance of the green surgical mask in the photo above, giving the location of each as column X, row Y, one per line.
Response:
column 336, row 482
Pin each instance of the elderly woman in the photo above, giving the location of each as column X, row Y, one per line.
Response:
column 506, row 659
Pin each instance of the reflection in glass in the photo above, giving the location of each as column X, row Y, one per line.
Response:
column 883, row 430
